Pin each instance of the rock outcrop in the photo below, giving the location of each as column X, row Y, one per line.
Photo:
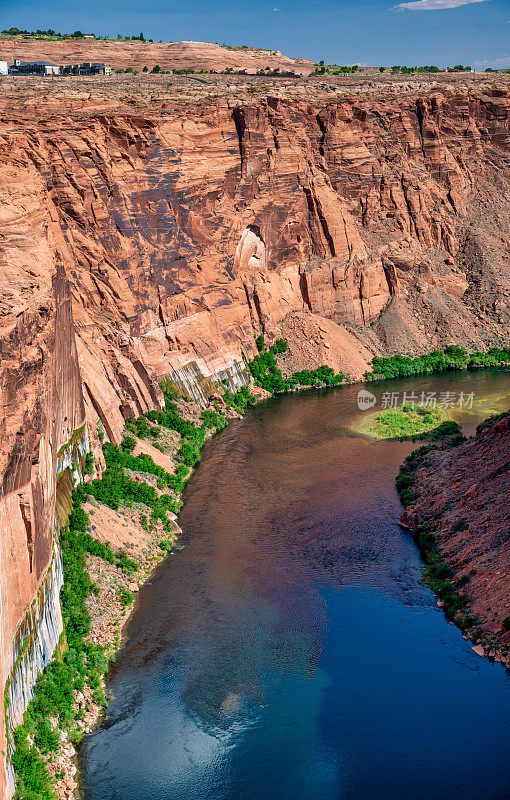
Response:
column 137, row 245
column 42, row 408
column 463, row 496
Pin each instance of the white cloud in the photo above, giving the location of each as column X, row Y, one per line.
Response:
column 502, row 62
column 434, row 5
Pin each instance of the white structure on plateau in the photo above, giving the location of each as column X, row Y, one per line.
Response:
column 3, row 68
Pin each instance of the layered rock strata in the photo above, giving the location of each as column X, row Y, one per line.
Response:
column 138, row 246
column 463, row 496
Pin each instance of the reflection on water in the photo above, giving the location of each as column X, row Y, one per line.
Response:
column 289, row 650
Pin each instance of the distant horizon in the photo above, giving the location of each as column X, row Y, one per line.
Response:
column 225, row 45
column 369, row 33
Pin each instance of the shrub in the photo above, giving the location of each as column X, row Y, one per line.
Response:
column 460, row 525
column 138, row 426
column 279, row 346
column 267, row 374
column 127, row 444
column 126, row 597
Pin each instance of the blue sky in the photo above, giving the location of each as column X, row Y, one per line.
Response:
column 375, row 32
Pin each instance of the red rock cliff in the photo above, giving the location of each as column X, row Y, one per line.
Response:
column 177, row 235
column 463, row 495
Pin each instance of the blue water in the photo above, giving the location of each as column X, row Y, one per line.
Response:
column 289, row 650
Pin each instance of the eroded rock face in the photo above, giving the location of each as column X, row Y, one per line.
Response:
column 463, row 496
column 189, row 231
column 42, row 405
column 134, row 246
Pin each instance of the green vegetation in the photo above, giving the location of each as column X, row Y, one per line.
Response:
column 240, row 401
column 89, row 464
column 450, row 434
column 437, row 573
column 82, row 662
column 405, row 422
column 490, row 421
column 115, row 488
column 267, row 374
column 334, row 69
column 126, row 597
column 452, row 358
column 403, row 70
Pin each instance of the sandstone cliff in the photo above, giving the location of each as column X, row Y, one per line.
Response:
column 161, row 240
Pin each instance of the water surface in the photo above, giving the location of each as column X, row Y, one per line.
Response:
column 289, row 650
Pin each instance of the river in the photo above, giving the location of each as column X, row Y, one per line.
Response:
column 288, row 650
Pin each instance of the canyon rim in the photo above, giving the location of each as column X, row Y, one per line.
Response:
column 151, row 230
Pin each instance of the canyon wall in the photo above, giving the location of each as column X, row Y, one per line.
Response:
column 139, row 246
column 462, row 494
column 42, row 407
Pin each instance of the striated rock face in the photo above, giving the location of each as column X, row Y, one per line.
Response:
column 463, row 495
column 188, row 231
column 142, row 245
column 42, row 405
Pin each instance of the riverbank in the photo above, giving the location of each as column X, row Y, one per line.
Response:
column 161, row 457
column 110, row 604
column 261, row 631
column 122, row 524
column 458, row 507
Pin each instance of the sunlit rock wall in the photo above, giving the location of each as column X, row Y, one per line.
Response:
column 43, row 424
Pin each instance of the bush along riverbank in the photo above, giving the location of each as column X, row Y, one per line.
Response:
column 267, row 374
column 452, row 358
column 100, row 582
column 44, row 743
column 449, row 586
